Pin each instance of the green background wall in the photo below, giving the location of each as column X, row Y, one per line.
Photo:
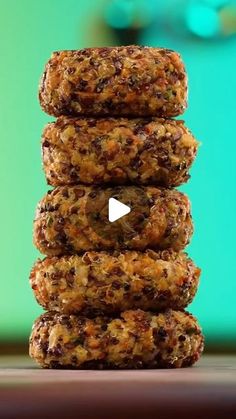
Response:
column 29, row 32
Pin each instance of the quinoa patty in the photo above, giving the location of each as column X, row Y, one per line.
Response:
column 102, row 282
column 94, row 151
column 75, row 219
column 115, row 81
column 136, row 339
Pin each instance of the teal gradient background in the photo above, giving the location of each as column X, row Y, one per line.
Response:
column 29, row 32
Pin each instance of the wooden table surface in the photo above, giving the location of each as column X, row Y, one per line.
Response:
column 207, row 390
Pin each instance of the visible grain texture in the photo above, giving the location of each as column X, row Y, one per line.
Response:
column 206, row 390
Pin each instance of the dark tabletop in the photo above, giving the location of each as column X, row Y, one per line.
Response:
column 207, row 390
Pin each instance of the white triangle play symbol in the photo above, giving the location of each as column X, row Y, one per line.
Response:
column 116, row 210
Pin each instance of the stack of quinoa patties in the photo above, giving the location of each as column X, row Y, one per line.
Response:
column 115, row 293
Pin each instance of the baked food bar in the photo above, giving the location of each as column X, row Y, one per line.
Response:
column 74, row 219
column 110, row 282
column 135, row 339
column 100, row 151
column 114, row 81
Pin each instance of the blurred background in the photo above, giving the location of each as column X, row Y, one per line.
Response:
column 204, row 32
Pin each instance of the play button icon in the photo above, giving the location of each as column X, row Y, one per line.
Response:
column 117, row 213
column 116, row 210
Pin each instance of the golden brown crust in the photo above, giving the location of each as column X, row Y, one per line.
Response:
column 97, row 151
column 75, row 219
column 115, row 81
column 107, row 283
column 136, row 339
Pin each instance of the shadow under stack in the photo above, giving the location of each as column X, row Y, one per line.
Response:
column 115, row 292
